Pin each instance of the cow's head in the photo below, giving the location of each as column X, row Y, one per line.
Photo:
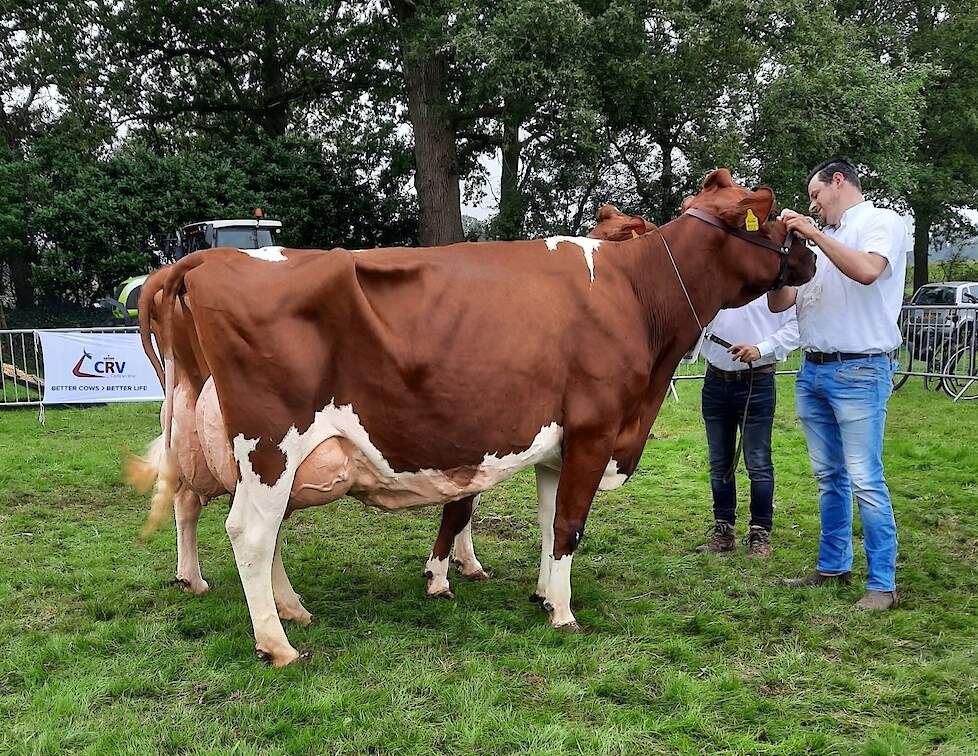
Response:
column 614, row 225
column 752, row 213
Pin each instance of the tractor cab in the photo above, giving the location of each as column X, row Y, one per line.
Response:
column 242, row 234
column 246, row 233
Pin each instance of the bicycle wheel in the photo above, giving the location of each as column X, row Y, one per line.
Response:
column 961, row 377
column 900, row 377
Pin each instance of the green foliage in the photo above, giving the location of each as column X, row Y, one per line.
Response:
column 685, row 654
column 102, row 220
column 838, row 105
column 121, row 121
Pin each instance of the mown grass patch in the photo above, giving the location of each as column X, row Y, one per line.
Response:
column 684, row 653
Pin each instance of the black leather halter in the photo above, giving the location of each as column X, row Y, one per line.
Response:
column 784, row 249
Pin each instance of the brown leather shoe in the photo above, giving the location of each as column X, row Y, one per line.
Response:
column 723, row 539
column 877, row 601
column 758, row 541
column 815, row 579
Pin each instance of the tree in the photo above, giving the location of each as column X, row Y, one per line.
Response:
column 259, row 67
column 530, row 95
column 426, row 59
column 42, row 71
column 945, row 162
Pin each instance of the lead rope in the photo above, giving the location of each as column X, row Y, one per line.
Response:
column 675, row 268
column 750, row 377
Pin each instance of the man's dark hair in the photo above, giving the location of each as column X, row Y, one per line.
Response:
column 827, row 168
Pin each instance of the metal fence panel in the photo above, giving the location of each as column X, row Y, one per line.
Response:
column 940, row 346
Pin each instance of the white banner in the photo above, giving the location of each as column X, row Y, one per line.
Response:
column 96, row 367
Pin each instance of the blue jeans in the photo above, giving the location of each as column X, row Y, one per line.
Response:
column 723, row 411
column 842, row 407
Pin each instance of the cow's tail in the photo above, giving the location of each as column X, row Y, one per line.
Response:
column 153, row 470
column 159, row 468
column 141, row 472
column 147, row 314
column 172, row 288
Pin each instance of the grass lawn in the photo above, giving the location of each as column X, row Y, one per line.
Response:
column 685, row 653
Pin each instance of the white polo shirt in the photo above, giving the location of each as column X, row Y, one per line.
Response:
column 775, row 334
column 837, row 314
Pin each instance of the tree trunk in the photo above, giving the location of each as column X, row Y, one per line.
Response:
column 436, row 172
column 509, row 224
column 274, row 118
column 921, row 245
column 20, row 277
column 666, row 202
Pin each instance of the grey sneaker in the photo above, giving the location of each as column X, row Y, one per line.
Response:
column 815, row 579
column 722, row 539
column 758, row 542
column 877, row 601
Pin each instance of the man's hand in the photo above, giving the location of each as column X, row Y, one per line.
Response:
column 745, row 352
column 800, row 224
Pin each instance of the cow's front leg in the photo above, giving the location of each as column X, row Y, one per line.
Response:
column 287, row 601
column 463, row 552
column 546, row 506
column 253, row 526
column 454, row 517
column 583, row 466
column 186, row 513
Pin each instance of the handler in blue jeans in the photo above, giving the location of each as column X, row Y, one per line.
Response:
column 847, row 319
column 760, row 338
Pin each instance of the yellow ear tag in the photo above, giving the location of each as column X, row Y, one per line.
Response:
column 752, row 224
column 634, row 234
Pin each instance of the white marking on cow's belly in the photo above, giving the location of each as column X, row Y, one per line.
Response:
column 268, row 254
column 612, row 479
column 378, row 484
column 588, row 247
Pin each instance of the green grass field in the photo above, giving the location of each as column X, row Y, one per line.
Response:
column 684, row 654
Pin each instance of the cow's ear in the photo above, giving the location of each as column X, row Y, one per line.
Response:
column 759, row 203
column 607, row 211
column 650, row 227
column 718, row 179
column 636, row 226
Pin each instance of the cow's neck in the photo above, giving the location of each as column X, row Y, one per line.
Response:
column 714, row 276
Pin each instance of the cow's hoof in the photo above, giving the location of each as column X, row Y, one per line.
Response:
column 480, row 574
column 298, row 615
column 281, row 659
column 196, row 587
column 570, row 628
column 536, row 598
column 443, row 594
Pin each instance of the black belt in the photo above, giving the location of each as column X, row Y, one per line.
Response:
column 820, row 358
column 737, row 375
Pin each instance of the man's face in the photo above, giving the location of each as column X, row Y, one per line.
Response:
column 824, row 198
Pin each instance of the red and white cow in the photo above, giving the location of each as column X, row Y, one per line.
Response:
column 196, row 402
column 406, row 377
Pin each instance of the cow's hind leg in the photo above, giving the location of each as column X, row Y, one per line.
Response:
column 253, row 526
column 546, row 505
column 186, row 513
column 463, row 552
column 287, row 601
column 454, row 517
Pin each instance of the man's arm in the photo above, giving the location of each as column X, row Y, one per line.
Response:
column 779, row 344
column 783, row 341
column 861, row 266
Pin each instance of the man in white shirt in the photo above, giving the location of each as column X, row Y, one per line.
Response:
column 847, row 319
column 760, row 338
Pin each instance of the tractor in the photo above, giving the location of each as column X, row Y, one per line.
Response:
column 243, row 234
